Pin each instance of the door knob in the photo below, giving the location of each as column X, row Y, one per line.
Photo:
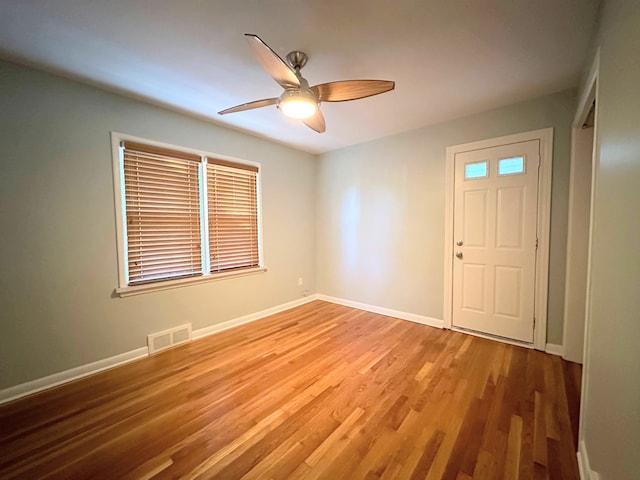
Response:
column 459, row 243
column 459, row 254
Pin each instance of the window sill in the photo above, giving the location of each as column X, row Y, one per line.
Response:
column 183, row 282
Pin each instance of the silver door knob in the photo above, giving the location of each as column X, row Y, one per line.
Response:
column 459, row 254
column 459, row 243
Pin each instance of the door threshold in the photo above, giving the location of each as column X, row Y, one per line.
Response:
column 489, row 336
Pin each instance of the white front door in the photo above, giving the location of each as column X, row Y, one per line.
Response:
column 495, row 239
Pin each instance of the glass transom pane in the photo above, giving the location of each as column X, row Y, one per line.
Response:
column 511, row 166
column 475, row 170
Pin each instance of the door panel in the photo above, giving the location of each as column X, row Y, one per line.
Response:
column 475, row 218
column 473, row 287
column 495, row 218
column 508, row 291
column 509, row 217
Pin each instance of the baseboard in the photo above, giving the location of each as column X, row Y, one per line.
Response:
column 44, row 383
column 412, row 317
column 583, row 464
column 554, row 349
column 34, row 386
column 252, row 317
column 50, row 381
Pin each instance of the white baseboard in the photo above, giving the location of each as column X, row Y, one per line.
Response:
column 554, row 349
column 412, row 317
column 34, row 386
column 583, row 464
column 39, row 384
column 236, row 322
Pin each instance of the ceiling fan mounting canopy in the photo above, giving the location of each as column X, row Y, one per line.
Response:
column 297, row 59
column 298, row 99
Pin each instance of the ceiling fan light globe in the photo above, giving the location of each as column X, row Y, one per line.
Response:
column 298, row 108
column 298, row 104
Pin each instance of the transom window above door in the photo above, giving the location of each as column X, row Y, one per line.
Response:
column 505, row 166
column 511, row 166
column 475, row 170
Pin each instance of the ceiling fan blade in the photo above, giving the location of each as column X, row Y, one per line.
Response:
column 315, row 122
column 272, row 63
column 249, row 106
column 351, row 89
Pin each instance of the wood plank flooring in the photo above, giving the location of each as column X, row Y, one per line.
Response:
column 319, row 391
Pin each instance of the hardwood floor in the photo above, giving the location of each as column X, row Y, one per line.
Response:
column 319, row 391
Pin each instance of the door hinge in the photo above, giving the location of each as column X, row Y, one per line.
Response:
column 534, row 323
column 536, row 243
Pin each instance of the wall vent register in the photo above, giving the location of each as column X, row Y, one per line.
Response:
column 168, row 338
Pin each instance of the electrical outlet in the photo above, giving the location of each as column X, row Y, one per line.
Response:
column 300, row 282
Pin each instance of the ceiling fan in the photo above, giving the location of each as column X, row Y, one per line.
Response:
column 298, row 99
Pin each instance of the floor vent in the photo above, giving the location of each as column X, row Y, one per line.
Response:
column 168, row 338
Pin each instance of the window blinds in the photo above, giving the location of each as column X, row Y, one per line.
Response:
column 166, row 233
column 233, row 215
column 162, row 213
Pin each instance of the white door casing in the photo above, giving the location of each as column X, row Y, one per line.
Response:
column 578, row 228
column 501, row 281
column 582, row 181
column 495, row 213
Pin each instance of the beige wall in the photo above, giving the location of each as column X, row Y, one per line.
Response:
column 611, row 402
column 380, row 210
column 58, row 264
column 379, row 220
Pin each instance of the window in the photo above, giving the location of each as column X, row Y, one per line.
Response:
column 475, row 170
column 184, row 216
column 233, row 216
column 511, row 166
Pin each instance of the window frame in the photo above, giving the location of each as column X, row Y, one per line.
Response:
column 124, row 289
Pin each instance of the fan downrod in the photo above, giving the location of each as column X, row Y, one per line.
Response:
column 297, row 59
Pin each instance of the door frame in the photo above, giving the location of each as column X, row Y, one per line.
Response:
column 590, row 91
column 572, row 341
column 545, row 136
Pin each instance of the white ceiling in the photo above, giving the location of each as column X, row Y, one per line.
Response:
column 449, row 58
